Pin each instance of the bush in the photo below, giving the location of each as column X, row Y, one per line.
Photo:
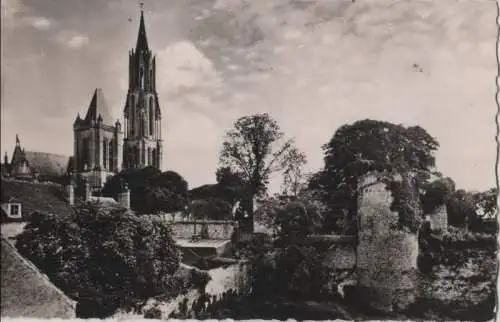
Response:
column 150, row 189
column 99, row 253
column 153, row 313
column 199, row 279
column 212, row 209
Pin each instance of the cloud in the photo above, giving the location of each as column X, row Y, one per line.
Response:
column 15, row 14
column 40, row 23
column 313, row 65
column 72, row 39
column 10, row 8
column 182, row 65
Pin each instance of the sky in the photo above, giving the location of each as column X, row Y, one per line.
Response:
column 312, row 65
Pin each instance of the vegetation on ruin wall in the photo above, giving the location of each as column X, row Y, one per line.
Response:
column 406, row 203
column 370, row 146
column 105, row 258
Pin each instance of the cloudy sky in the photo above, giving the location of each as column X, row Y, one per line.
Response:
column 313, row 65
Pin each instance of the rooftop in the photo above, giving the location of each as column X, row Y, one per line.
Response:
column 43, row 197
column 26, row 292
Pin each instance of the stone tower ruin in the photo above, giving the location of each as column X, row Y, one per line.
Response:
column 386, row 256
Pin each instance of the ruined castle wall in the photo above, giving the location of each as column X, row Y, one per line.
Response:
column 341, row 257
column 439, row 219
column 386, row 257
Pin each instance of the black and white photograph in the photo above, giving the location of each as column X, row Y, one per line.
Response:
column 249, row 159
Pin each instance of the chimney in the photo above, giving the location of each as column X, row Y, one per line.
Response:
column 124, row 197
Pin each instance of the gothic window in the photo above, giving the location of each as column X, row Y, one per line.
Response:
column 132, row 115
column 140, row 126
column 155, row 160
column 136, row 154
column 141, row 77
column 85, row 153
column 151, row 79
column 111, row 155
column 105, row 154
column 151, row 115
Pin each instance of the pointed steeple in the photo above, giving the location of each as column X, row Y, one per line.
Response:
column 142, row 40
column 98, row 108
column 18, row 143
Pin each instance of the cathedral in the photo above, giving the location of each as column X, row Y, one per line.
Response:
column 103, row 146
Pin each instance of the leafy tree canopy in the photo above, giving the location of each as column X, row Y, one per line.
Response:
column 106, row 253
column 486, row 203
column 150, row 189
column 437, row 193
column 291, row 218
column 212, row 209
column 366, row 146
column 254, row 148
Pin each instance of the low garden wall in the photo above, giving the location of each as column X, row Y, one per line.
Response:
column 215, row 229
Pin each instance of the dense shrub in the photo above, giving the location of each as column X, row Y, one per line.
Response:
column 212, row 209
column 153, row 313
column 102, row 253
column 150, row 189
column 199, row 279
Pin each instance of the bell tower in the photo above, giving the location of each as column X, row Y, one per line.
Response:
column 143, row 144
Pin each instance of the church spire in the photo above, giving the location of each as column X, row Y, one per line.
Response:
column 142, row 40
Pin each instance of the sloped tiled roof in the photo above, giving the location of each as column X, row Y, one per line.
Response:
column 42, row 197
column 47, row 164
column 28, row 293
column 98, row 106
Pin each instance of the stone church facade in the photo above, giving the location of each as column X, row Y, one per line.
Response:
column 103, row 146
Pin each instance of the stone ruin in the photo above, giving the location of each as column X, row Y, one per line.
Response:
column 386, row 257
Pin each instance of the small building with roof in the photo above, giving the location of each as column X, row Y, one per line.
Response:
column 35, row 166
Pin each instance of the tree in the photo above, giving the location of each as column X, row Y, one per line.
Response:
column 167, row 191
column 230, row 184
column 293, row 175
column 486, row 203
column 461, row 209
column 255, row 147
column 371, row 146
column 291, row 217
column 437, row 193
column 103, row 255
column 212, row 209
column 150, row 189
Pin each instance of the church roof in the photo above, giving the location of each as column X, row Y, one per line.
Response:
column 142, row 39
column 98, row 107
column 27, row 292
column 41, row 197
column 47, row 164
